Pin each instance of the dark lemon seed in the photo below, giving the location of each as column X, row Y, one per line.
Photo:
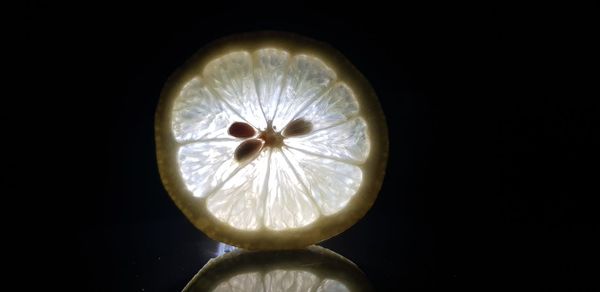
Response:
column 297, row 127
column 241, row 130
column 247, row 149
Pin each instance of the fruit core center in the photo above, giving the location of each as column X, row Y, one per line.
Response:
column 268, row 137
column 271, row 138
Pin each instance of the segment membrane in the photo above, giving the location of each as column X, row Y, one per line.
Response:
column 336, row 105
column 239, row 202
column 198, row 114
column 205, row 165
column 331, row 183
column 307, row 78
column 232, row 79
column 288, row 205
column 270, row 70
column 346, row 141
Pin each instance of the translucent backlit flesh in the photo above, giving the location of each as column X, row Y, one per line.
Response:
column 270, row 140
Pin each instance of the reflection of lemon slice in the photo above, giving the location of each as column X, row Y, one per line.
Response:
column 270, row 141
column 311, row 269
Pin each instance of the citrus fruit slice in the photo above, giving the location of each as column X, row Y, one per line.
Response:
column 311, row 269
column 270, row 141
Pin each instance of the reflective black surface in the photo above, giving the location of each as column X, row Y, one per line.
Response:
column 309, row 269
column 485, row 184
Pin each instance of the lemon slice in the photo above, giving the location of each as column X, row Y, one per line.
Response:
column 311, row 269
column 270, row 141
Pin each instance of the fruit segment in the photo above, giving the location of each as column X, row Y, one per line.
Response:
column 270, row 71
column 346, row 142
column 232, row 79
column 289, row 203
column 331, row 183
column 239, row 201
column 198, row 114
column 204, row 166
column 307, row 79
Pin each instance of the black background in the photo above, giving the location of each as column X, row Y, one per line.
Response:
column 489, row 181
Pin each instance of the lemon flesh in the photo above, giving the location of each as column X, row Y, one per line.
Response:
column 289, row 190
